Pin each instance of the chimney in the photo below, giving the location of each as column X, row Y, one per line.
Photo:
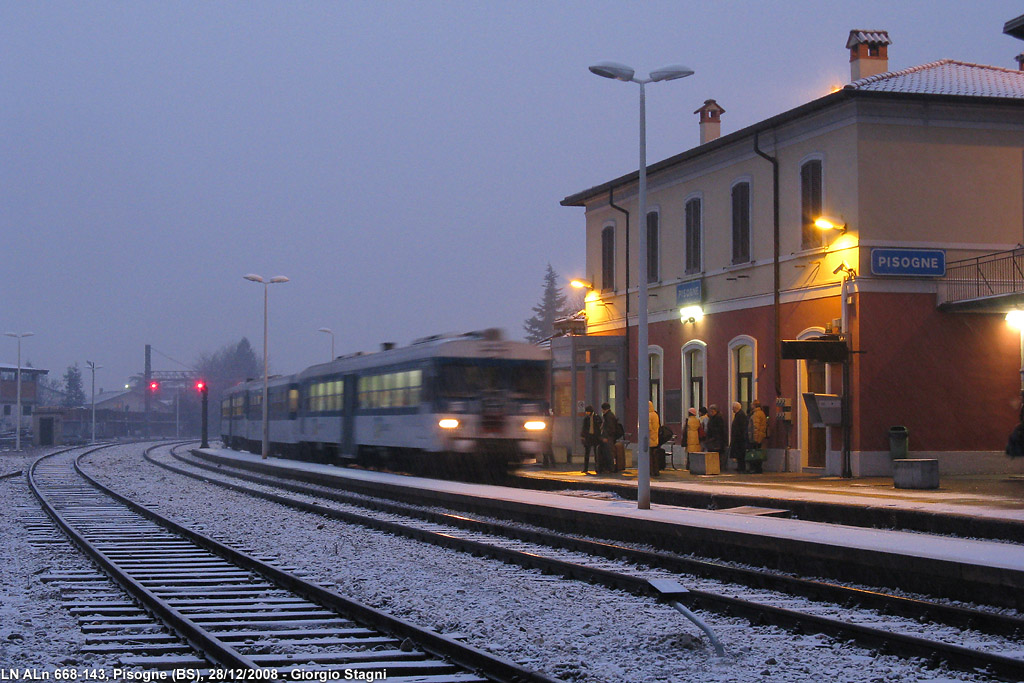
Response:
column 1020, row 61
column 710, row 121
column 869, row 53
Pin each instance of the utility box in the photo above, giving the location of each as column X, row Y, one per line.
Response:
column 701, row 462
column 824, row 410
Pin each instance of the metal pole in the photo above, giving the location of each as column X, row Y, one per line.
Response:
column 206, row 442
column 92, row 389
column 643, row 371
column 266, row 423
column 17, row 415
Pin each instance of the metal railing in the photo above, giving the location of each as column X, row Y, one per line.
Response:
column 983, row 277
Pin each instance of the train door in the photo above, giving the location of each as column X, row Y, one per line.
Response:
column 348, row 416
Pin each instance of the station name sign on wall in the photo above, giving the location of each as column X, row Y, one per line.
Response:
column 690, row 293
column 908, row 262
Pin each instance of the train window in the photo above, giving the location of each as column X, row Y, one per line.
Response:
column 390, row 390
column 325, row 396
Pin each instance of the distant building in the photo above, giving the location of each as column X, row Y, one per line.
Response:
column 30, row 391
column 921, row 171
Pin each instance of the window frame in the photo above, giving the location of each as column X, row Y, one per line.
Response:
column 693, row 234
column 741, row 240
column 608, row 257
column 811, row 237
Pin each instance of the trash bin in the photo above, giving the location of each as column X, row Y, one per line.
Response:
column 898, row 437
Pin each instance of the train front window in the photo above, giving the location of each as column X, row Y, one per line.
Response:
column 467, row 379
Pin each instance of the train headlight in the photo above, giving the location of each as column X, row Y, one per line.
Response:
column 448, row 423
column 535, row 425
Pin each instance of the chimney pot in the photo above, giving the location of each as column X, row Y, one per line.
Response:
column 1020, row 61
column 710, row 121
column 869, row 53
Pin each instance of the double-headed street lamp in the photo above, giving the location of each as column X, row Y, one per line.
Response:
column 266, row 286
column 621, row 72
column 17, row 419
column 93, row 367
column 330, row 332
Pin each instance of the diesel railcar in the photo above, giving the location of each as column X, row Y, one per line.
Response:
column 470, row 399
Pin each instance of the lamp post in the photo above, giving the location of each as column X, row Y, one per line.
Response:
column 621, row 72
column 17, row 418
column 328, row 331
column 266, row 286
column 93, row 368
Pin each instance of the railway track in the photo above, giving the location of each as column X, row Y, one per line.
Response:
column 964, row 638
column 209, row 610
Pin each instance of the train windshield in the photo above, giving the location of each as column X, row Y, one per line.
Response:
column 471, row 378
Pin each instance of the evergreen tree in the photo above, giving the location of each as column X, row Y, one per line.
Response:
column 551, row 307
column 225, row 368
column 74, row 395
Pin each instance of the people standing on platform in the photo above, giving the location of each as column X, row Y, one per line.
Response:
column 738, row 437
column 702, row 415
column 717, row 436
column 609, row 434
column 653, row 449
column 591, row 435
column 693, row 429
column 758, row 433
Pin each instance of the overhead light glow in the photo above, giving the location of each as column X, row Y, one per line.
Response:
column 534, row 425
column 691, row 314
column 1015, row 319
column 830, row 223
column 581, row 284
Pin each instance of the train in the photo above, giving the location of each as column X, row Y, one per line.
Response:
column 471, row 400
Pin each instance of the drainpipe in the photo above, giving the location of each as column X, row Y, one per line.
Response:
column 775, row 243
column 611, row 203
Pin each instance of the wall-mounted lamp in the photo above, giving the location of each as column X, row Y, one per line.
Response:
column 845, row 269
column 1015, row 319
column 830, row 223
column 582, row 284
column 691, row 314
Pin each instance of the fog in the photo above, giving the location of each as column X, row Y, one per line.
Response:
column 402, row 163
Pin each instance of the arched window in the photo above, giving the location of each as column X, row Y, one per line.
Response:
column 608, row 257
column 743, row 370
column 653, row 251
column 810, row 203
column 694, row 371
column 655, row 357
column 741, row 222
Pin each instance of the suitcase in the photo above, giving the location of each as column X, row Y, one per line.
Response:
column 620, row 457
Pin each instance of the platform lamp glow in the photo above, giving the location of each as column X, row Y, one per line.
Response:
column 266, row 286
column 17, row 419
column 93, row 368
column 1015, row 319
column 621, row 72
column 328, row 330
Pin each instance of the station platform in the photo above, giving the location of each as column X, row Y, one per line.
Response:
column 962, row 568
column 980, row 505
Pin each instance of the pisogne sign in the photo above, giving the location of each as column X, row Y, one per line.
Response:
column 908, row 262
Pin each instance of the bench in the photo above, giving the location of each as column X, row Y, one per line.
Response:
column 703, row 463
column 915, row 473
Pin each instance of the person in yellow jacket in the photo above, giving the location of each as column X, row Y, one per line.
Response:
column 654, row 423
column 693, row 432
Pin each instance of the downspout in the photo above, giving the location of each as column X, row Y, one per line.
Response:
column 776, row 331
column 611, row 203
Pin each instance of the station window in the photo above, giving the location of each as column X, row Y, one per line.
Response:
column 693, row 236
column 608, row 258
column 744, row 359
column 810, row 204
column 652, row 247
column 741, row 223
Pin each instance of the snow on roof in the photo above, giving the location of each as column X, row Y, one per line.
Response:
column 947, row 77
column 12, row 366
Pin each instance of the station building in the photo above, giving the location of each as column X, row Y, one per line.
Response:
column 921, row 173
column 30, row 394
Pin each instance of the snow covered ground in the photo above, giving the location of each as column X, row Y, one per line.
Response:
column 563, row 628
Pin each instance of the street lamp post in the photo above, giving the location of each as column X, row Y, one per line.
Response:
column 328, row 331
column 266, row 286
column 17, row 418
column 621, row 72
column 93, row 367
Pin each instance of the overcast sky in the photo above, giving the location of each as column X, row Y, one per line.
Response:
column 401, row 162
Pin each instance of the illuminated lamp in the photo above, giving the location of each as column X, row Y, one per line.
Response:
column 691, row 314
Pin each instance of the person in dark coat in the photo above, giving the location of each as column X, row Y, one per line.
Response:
column 609, row 428
column 716, row 437
column 738, row 440
column 591, row 435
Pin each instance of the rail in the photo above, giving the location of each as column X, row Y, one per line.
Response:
column 983, row 277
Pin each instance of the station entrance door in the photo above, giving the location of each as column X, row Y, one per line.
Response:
column 585, row 370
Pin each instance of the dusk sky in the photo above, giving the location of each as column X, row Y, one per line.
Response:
column 401, row 162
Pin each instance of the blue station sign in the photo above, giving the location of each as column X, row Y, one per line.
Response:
column 908, row 262
column 690, row 293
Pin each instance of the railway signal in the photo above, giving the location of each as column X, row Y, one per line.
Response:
column 204, row 391
column 154, row 387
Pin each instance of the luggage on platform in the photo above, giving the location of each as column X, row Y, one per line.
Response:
column 620, row 456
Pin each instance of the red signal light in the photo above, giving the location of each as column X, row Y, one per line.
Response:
column 200, row 385
column 154, row 386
